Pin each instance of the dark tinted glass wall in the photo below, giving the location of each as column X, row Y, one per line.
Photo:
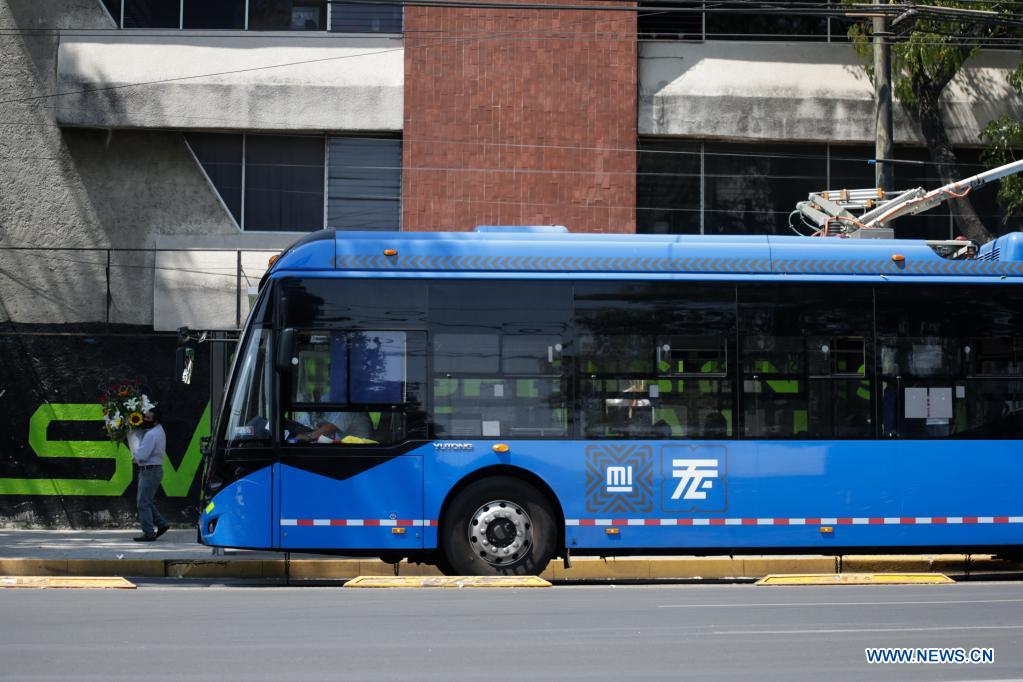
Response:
column 114, row 8
column 276, row 182
column 288, row 15
column 213, row 14
column 152, row 13
column 753, row 188
column 221, row 158
column 353, row 17
column 283, row 183
column 687, row 20
column 364, row 183
column 668, row 197
column 263, row 15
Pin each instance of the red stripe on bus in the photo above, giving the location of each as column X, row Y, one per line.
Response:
column 1001, row 519
column 844, row 522
column 587, row 522
column 813, row 522
column 781, row 522
column 939, row 519
column 717, row 522
column 969, row 519
column 619, row 522
column 305, row 522
column 404, row 522
column 371, row 522
column 908, row 520
column 651, row 522
column 874, row 521
column 339, row 522
column 749, row 522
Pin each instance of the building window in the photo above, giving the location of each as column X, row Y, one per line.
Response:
column 283, row 183
column 353, row 17
column 152, row 14
column 288, row 15
column 221, row 158
column 213, row 14
column 257, row 15
column 364, row 183
column 687, row 20
column 114, row 10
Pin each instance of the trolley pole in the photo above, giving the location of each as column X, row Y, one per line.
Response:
column 883, row 148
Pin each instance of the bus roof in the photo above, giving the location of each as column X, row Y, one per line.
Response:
column 555, row 254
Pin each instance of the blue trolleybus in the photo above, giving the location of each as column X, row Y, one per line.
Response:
column 488, row 401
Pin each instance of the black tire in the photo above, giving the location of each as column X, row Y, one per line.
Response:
column 518, row 536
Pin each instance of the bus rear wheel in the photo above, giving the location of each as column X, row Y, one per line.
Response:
column 499, row 526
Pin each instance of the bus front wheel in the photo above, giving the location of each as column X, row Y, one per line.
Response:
column 499, row 526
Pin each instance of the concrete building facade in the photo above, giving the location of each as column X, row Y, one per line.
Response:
column 154, row 153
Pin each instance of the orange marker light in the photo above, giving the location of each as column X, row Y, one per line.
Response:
column 390, row 252
column 898, row 257
column 273, row 259
column 500, row 447
column 612, row 531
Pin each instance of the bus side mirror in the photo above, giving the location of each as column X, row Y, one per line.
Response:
column 184, row 357
column 204, row 445
column 184, row 362
column 286, row 350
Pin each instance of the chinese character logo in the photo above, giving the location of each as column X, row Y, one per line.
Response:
column 619, row 478
column 694, row 478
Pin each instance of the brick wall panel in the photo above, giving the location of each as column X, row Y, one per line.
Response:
column 508, row 121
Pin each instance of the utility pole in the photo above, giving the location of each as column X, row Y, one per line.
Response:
column 883, row 147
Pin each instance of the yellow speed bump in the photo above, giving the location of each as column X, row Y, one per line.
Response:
column 65, row 582
column 448, row 581
column 857, row 579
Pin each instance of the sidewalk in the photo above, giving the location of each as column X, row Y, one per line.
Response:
column 176, row 554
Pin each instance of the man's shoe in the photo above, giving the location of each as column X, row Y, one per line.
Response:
column 144, row 538
column 161, row 530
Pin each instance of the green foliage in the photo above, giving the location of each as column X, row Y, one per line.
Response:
column 928, row 58
column 1004, row 138
column 933, row 51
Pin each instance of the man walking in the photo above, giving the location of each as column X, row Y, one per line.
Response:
column 149, row 457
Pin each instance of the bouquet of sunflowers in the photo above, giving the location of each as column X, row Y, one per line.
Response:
column 123, row 403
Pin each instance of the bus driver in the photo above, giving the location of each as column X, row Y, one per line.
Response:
column 333, row 426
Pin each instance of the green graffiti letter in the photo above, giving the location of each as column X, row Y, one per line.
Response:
column 74, row 449
column 176, row 482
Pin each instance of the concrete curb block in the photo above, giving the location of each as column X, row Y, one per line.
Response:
column 583, row 569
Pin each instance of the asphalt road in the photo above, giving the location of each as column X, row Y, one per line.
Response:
column 169, row 630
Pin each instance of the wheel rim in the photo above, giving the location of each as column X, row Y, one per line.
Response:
column 500, row 532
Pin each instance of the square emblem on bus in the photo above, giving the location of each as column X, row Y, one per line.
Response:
column 693, row 478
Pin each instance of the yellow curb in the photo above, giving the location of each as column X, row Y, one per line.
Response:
column 65, row 582
column 214, row 568
column 583, row 568
column 858, row 579
column 142, row 568
column 34, row 567
column 754, row 567
column 456, row 581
